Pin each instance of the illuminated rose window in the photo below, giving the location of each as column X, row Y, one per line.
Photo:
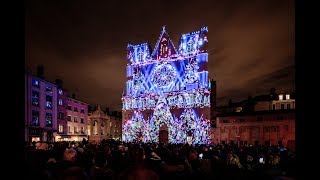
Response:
column 163, row 75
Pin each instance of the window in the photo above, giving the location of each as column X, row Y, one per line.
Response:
column 288, row 106
column 60, row 91
column 69, row 129
column 48, row 120
column 75, row 119
column 60, row 128
column 273, row 106
column 75, row 129
column 82, row 130
column 288, row 96
column 49, row 89
column 69, row 107
column 60, row 102
column 280, row 97
column 35, row 98
column 81, row 120
column 282, row 106
column 35, row 83
column 75, row 109
column 68, row 118
column 95, row 128
column 49, row 102
column 35, row 118
column 61, row 115
column 82, row 111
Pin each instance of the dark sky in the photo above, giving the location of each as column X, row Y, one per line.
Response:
column 251, row 43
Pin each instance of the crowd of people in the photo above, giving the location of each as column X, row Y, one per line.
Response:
column 114, row 160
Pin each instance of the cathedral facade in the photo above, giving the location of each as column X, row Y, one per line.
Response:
column 167, row 96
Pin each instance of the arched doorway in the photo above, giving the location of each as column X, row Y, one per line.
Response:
column 163, row 134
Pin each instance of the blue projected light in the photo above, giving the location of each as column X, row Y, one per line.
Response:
column 164, row 80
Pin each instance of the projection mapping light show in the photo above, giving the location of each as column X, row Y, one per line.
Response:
column 167, row 96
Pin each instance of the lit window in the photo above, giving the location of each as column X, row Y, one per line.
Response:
column 110, row 124
column 35, row 98
column 35, row 83
column 60, row 92
column 48, row 120
column 48, row 89
column 35, row 118
column 60, row 128
column 75, row 119
column 288, row 96
column 49, row 102
column 60, row 102
column 280, row 97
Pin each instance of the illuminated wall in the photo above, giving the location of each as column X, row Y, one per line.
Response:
column 168, row 86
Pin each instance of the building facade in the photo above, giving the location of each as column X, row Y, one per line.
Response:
column 40, row 109
column 263, row 119
column 260, row 127
column 62, row 102
column 167, row 97
column 77, row 120
column 104, row 125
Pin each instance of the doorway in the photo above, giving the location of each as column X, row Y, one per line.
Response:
column 163, row 136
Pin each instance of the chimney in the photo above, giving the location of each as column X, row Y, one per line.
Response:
column 40, row 71
column 59, row 83
column 73, row 96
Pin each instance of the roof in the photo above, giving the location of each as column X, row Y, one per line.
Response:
column 77, row 100
column 228, row 114
column 170, row 43
column 34, row 76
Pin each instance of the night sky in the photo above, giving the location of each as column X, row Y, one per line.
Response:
column 251, row 43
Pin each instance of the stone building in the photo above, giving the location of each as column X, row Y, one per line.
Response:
column 260, row 127
column 104, row 125
column 77, row 119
